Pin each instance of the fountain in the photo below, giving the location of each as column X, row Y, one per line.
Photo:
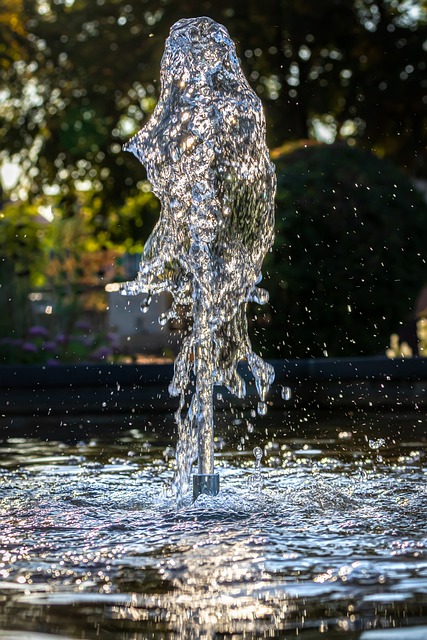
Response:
column 205, row 154
column 319, row 528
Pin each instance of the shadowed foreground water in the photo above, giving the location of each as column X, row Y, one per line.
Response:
column 330, row 536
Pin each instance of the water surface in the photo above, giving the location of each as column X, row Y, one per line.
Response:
column 329, row 536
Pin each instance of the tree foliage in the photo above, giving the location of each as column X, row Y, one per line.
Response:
column 21, row 260
column 82, row 76
column 349, row 257
column 79, row 77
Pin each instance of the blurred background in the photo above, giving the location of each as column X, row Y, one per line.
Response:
column 344, row 88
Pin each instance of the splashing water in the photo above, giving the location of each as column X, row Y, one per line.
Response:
column 205, row 154
column 255, row 481
column 91, row 547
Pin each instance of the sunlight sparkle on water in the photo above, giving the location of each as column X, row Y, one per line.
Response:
column 90, row 530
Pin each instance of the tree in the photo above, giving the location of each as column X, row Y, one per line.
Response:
column 349, row 257
column 13, row 40
column 78, row 78
column 81, row 77
column 72, row 102
column 21, row 234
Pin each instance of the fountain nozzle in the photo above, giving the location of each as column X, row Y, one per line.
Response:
column 206, row 483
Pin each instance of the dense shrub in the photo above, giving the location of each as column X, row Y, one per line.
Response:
column 350, row 253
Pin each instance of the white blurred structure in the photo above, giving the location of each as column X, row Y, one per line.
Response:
column 138, row 331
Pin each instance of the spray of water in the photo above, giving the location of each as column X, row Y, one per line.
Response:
column 205, row 154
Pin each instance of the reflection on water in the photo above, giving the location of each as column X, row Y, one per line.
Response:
column 332, row 537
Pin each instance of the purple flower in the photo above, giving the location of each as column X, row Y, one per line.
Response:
column 101, row 353
column 113, row 339
column 38, row 331
column 49, row 345
column 61, row 338
column 51, row 362
column 30, row 347
column 83, row 325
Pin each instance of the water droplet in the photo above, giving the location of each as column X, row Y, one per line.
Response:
column 258, row 453
column 286, row 393
column 262, row 408
column 169, row 453
column 163, row 318
column 255, row 481
column 376, row 444
column 145, row 304
column 260, row 296
column 219, row 443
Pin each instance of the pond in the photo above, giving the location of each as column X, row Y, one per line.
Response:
column 329, row 535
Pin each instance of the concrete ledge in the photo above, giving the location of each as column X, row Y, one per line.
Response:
column 63, row 390
column 373, row 368
column 354, row 383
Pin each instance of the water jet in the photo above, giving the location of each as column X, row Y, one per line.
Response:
column 206, row 157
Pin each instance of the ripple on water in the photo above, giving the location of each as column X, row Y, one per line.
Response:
column 325, row 538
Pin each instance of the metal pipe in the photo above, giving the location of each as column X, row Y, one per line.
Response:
column 205, row 481
column 207, row 484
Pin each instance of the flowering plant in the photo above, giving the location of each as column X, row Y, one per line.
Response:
column 38, row 346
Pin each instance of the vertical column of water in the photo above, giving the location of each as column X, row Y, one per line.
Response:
column 205, row 154
column 205, row 481
column 204, row 387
